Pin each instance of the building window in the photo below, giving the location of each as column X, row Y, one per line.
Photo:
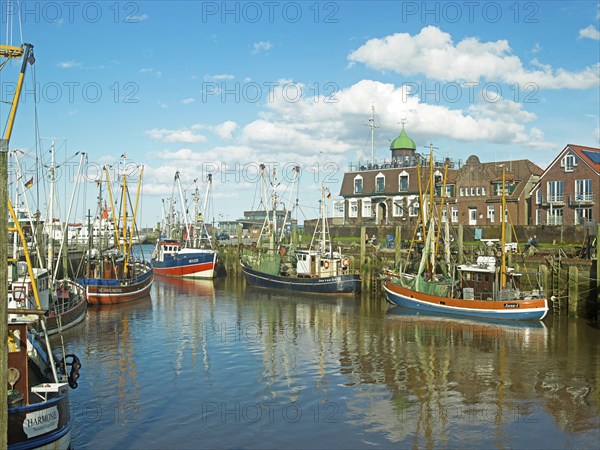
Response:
column 472, row 191
column 353, row 208
column 403, row 182
column 555, row 216
column 397, row 206
column 538, row 216
column 555, row 191
column 466, row 192
column 583, row 215
column 413, row 209
column 538, row 196
column 478, row 191
column 366, row 207
column 569, row 162
column 444, row 215
column 454, row 214
column 358, row 184
column 449, row 190
column 338, row 208
column 491, row 213
column 583, row 190
column 461, row 192
column 483, row 191
column 380, row 183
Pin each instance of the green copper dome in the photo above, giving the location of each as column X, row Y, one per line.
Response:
column 403, row 141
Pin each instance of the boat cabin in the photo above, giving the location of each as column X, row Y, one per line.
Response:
column 166, row 249
column 311, row 263
column 20, row 295
column 479, row 281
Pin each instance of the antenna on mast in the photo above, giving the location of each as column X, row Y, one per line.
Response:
column 372, row 125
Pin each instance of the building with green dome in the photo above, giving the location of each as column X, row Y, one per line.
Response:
column 385, row 192
column 403, row 147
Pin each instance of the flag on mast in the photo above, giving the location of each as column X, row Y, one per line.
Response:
column 29, row 183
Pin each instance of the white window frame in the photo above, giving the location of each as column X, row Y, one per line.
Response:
column 553, row 191
column 583, row 190
column 356, row 178
column 366, row 208
column 569, row 162
column 583, row 213
column 413, row 209
column 402, row 175
column 398, row 206
column 555, row 216
column 491, row 213
column 377, row 178
column 339, row 208
column 454, row 215
column 353, row 207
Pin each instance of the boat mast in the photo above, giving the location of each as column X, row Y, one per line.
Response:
column 503, row 232
column 112, row 208
column 372, row 126
column 201, row 216
column 50, row 256
column 183, row 209
column 133, row 219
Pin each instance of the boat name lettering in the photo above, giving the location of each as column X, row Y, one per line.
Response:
column 40, row 422
column 195, row 260
column 109, row 290
column 511, row 305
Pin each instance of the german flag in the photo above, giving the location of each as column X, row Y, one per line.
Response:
column 29, row 183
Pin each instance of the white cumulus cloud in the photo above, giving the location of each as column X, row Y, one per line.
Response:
column 433, row 53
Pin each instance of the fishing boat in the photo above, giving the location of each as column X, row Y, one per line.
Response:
column 484, row 289
column 186, row 250
column 117, row 275
column 318, row 269
column 38, row 398
column 64, row 299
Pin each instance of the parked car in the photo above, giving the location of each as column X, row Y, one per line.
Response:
column 223, row 236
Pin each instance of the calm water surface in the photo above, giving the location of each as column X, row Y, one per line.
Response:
column 221, row 365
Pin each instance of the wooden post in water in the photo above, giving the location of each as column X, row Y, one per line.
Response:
column 363, row 246
column 4, row 292
column 573, row 290
column 546, row 283
column 398, row 254
column 459, row 243
column 362, row 262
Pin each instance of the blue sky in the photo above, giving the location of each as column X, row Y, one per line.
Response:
column 201, row 87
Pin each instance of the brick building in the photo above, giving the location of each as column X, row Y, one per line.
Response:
column 566, row 192
column 387, row 192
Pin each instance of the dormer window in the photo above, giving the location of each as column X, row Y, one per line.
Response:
column 403, row 181
column 380, row 183
column 358, row 184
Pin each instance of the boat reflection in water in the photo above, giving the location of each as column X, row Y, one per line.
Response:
column 265, row 369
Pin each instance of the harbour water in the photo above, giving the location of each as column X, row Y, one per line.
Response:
column 204, row 364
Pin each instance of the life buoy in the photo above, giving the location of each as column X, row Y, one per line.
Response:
column 345, row 262
column 326, row 264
